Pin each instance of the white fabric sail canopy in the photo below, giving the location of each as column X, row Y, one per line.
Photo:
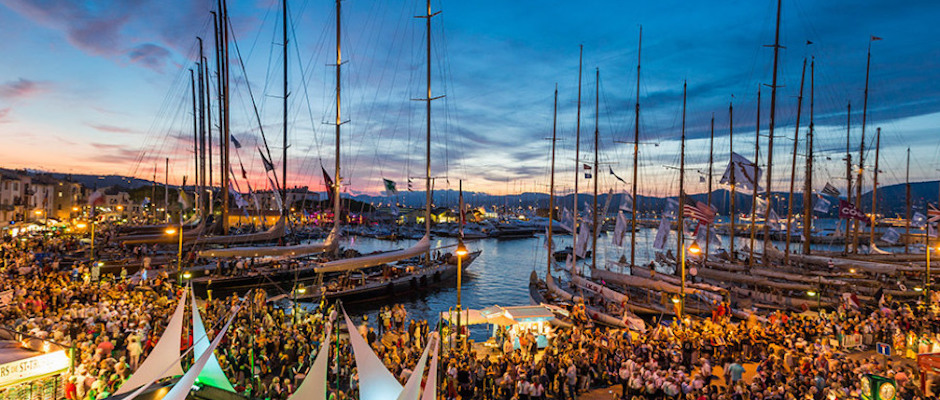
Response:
column 164, row 359
column 375, row 382
column 351, row 264
column 412, row 388
column 181, row 389
column 276, row 251
column 430, row 388
column 314, row 385
column 212, row 374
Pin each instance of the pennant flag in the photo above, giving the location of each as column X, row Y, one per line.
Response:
column 875, row 38
column 822, row 205
column 742, row 173
column 330, row 190
column 849, row 211
column 626, row 202
column 701, row 179
column 701, row 211
column 244, row 174
column 586, row 167
column 268, row 166
column 235, row 142
column 390, row 188
column 615, row 175
column 662, row 234
column 809, row 42
column 918, row 220
column 830, row 190
column 620, row 229
column 409, row 185
column 96, row 198
column 933, row 214
column 239, row 199
column 183, row 199
column 891, row 236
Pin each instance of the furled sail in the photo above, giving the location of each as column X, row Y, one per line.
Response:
column 275, row 232
column 371, row 260
column 276, row 251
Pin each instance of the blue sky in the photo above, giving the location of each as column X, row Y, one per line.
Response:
column 103, row 87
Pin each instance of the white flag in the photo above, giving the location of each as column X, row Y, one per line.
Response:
column 743, row 173
column 626, row 202
column 891, row 236
column 662, row 234
column 822, row 205
column 567, row 220
column 619, row 229
column 584, row 237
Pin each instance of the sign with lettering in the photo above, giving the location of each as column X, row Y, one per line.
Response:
column 884, row 349
column 20, row 370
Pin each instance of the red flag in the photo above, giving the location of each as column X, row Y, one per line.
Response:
column 874, row 38
column 700, row 211
column 849, row 211
column 933, row 214
column 329, row 185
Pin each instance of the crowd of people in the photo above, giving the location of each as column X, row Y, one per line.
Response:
column 114, row 323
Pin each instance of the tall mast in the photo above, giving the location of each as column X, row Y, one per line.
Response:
column 734, row 212
column 192, row 80
column 427, row 177
column 577, row 166
column 680, row 242
column 848, row 172
column 337, row 210
column 201, row 179
column 551, row 187
column 636, row 152
column 750, row 258
column 208, row 94
column 166, row 191
column 285, row 206
column 861, row 156
column 907, row 203
column 711, row 161
column 226, row 133
column 808, row 183
column 770, row 142
column 597, row 79
column 218, row 91
column 796, row 145
column 874, row 190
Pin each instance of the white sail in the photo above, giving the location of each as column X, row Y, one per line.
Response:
column 314, row 385
column 412, row 388
column 375, row 382
column 351, row 264
column 602, row 290
column 430, row 388
column 181, row 389
column 212, row 374
column 557, row 291
column 164, row 359
column 276, row 251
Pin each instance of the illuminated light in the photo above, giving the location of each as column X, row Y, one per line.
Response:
column 75, row 209
column 120, row 208
column 100, row 263
column 811, row 293
column 187, row 275
column 852, row 270
column 38, row 212
column 81, row 225
column 461, row 249
column 170, row 231
column 302, row 289
column 918, row 289
column 694, row 249
column 675, row 300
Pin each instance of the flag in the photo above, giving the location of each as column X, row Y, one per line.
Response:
column 761, row 206
column 615, row 175
column 239, row 200
column 587, row 175
column 891, row 236
column 183, row 199
column 875, row 38
column 931, row 231
column 700, row 211
column 808, row 42
column 145, row 202
column 330, row 190
column 567, row 220
column 277, row 194
column 849, row 211
column 395, row 210
column 619, row 229
column 701, row 179
column 822, row 205
column 586, row 167
column 584, row 237
column 709, row 236
column 830, row 190
column 549, row 244
column 244, row 174
column 918, row 220
column 850, row 300
column 96, row 198
column 235, row 142
column 626, row 202
column 672, row 208
column 409, row 185
column 390, row 187
column 742, row 173
column 933, row 214
column 662, row 234
column 267, row 163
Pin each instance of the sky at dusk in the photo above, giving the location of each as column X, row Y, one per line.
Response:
column 103, row 87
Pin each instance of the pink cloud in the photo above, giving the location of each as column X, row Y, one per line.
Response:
column 22, row 88
column 111, row 128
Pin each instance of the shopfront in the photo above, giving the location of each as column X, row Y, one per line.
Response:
column 31, row 368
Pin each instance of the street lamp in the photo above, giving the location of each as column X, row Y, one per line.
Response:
column 179, row 251
column 694, row 250
column 461, row 253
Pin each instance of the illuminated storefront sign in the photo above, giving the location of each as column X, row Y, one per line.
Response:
column 33, row 367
